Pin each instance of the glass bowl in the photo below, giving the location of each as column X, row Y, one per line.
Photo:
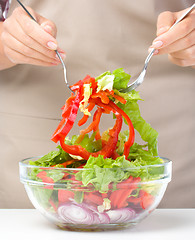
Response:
column 61, row 196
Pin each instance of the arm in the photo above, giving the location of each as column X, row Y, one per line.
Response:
column 179, row 42
column 23, row 41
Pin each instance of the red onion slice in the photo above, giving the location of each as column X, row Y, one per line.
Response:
column 81, row 214
column 72, row 213
column 121, row 215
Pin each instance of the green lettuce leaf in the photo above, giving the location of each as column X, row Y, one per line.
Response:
column 121, row 79
column 89, row 143
column 147, row 133
column 52, row 158
column 105, row 82
column 102, row 172
column 118, row 79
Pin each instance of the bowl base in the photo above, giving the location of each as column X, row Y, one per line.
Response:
column 95, row 228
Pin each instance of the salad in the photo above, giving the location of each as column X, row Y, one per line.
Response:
column 110, row 161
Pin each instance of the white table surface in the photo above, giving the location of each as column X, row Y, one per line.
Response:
column 173, row 224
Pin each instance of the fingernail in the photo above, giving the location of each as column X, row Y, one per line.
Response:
column 52, row 45
column 155, row 52
column 162, row 30
column 61, row 50
column 55, row 63
column 47, row 28
column 157, row 44
column 63, row 56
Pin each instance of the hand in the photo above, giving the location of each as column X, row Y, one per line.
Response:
column 26, row 42
column 179, row 42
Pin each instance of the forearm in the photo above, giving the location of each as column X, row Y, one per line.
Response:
column 4, row 61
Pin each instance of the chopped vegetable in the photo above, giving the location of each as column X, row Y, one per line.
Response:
column 121, row 215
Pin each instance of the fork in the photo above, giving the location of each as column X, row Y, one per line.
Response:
column 62, row 62
column 141, row 76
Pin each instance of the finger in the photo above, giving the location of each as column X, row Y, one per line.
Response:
column 18, row 46
column 164, row 22
column 180, row 44
column 188, row 53
column 32, row 29
column 49, row 27
column 181, row 62
column 179, row 31
column 19, row 58
column 13, row 28
column 46, row 24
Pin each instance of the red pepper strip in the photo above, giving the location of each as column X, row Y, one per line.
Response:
column 110, row 92
column 93, row 198
column 102, row 95
column 96, row 118
column 67, row 123
column 64, row 195
column 104, row 195
column 106, row 151
column 86, row 80
column 43, row 176
column 131, row 138
column 67, row 162
column 116, row 195
column 76, row 86
column 85, row 117
column 58, row 129
column 134, row 200
column 115, row 155
column 75, row 149
column 93, row 126
column 126, row 192
column 120, row 99
column 119, row 197
column 110, row 146
column 93, row 85
column 146, row 199
column 68, row 105
column 117, row 97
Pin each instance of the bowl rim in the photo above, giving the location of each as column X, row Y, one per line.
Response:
column 166, row 162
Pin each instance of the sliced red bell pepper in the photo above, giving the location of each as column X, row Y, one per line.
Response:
column 119, row 197
column 110, row 146
column 117, row 97
column 69, row 116
column 93, row 126
column 91, row 197
column 64, row 195
column 131, row 138
column 102, row 100
column 102, row 95
column 84, row 119
column 75, row 149
column 43, row 175
column 146, row 199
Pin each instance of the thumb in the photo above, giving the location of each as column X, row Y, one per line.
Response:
column 164, row 22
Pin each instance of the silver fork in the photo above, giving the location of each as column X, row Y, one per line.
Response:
column 140, row 78
column 62, row 62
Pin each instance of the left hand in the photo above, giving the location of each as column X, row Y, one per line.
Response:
column 179, row 42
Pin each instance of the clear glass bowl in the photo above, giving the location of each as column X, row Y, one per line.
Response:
column 73, row 205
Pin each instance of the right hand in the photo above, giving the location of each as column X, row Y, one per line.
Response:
column 26, row 42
